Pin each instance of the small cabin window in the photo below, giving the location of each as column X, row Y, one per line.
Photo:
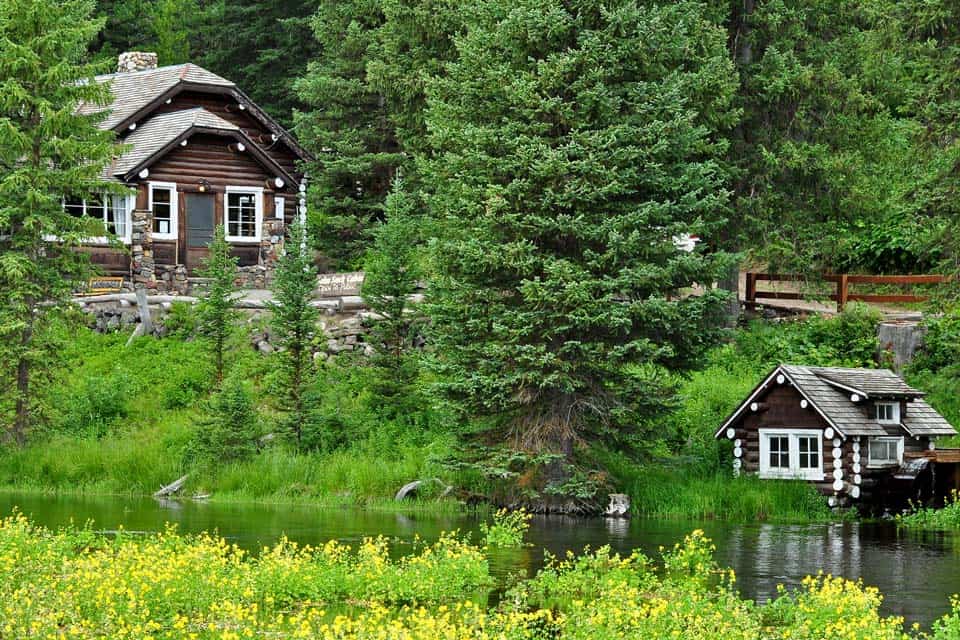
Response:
column 791, row 453
column 885, row 452
column 244, row 213
column 279, row 204
column 163, row 204
column 888, row 412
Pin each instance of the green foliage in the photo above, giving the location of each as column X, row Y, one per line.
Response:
column 231, row 429
column 293, row 320
column 47, row 151
column 946, row 517
column 941, row 343
column 215, row 308
column 392, row 275
column 507, row 529
column 349, row 129
column 557, row 266
column 94, row 404
column 181, row 320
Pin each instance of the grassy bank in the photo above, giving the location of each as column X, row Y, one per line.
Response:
column 78, row 584
column 126, row 421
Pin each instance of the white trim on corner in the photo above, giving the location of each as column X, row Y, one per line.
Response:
column 794, row 472
column 174, row 209
column 258, row 208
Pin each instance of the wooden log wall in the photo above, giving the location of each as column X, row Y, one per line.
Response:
column 224, row 106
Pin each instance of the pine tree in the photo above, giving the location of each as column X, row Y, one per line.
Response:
column 348, row 127
column 215, row 309
column 392, row 275
column 47, row 151
column 294, row 323
column 261, row 45
column 231, row 428
column 571, row 146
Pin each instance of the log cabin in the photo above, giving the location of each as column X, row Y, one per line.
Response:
column 199, row 153
column 850, row 432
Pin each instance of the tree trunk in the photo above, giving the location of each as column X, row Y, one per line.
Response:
column 22, row 422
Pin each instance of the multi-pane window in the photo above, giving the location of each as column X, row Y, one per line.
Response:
column 779, row 452
column 809, row 448
column 791, row 453
column 885, row 451
column 113, row 211
column 242, row 215
column 162, row 201
column 888, row 412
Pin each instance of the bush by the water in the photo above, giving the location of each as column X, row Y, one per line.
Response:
column 79, row 584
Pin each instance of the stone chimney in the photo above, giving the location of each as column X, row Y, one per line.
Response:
column 136, row 61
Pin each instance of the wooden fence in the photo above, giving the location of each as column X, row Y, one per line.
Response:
column 843, row 283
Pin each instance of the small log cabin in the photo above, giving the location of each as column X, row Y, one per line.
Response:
column 200, row 153
column 847, row 431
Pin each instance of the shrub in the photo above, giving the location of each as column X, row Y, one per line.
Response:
column 507, row 530
column 91, row 407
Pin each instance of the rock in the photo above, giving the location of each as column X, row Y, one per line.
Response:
column 619, row 506
column 265, row 347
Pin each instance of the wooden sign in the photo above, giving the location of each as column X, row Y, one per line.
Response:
column 105, row 285
column 332, row 285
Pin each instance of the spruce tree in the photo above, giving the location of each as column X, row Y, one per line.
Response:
column 215, row 309
column 392, row 274
column 294, row 323
column 572, row 143
column 231, row 428
column 349, row 130
column 47, row 151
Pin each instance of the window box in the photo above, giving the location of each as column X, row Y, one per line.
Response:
column 791, row 453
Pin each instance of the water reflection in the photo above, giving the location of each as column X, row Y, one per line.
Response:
column 917, row 572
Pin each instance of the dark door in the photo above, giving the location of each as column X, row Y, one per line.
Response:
column 200, row 221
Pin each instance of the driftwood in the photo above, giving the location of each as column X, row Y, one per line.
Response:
column 410, row 489
column 172, row 488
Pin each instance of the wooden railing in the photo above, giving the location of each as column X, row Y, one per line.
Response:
column 843, row 283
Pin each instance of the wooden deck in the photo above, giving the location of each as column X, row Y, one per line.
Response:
column 942, row 456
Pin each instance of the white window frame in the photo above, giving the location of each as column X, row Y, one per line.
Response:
column 279, row 207
column 794, row 472
column 896, row 412
column 174, row 209
column 127, row 236
column 871, row 463
column 258, row 217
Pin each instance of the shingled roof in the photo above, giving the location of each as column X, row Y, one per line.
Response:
column 134, row 90
column 829, row 390
column 163, row 130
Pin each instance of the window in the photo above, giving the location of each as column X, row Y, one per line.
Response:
column 791, row 453
column 885, row 452
column 244, row 213
column 888, row 412
column 279, row 205
column 163, row 204
column 113, row 211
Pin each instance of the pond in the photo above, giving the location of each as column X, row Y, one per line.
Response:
column 916, row 572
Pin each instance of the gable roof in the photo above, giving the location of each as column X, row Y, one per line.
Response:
column 828, row 390
column 136, row 94
column 164, row 132
column 135, row 90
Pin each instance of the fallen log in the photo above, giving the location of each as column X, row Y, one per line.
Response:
column 171, row 488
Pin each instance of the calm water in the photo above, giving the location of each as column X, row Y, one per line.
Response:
column 916, row 572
